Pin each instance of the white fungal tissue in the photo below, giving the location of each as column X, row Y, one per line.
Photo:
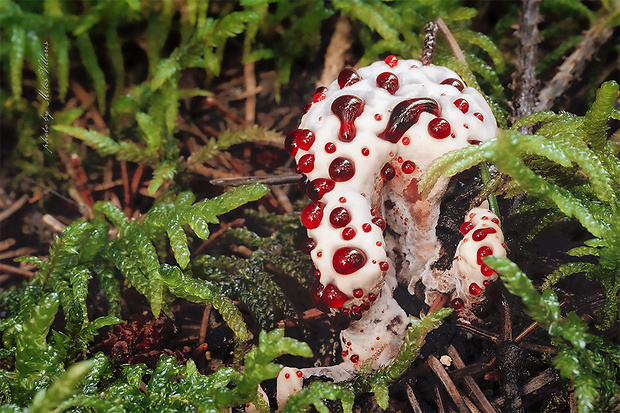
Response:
column 362, row 145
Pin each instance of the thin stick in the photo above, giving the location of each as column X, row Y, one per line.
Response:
column 454, row 46
column 15, row 270
column 470, row 383
column 15, row 206
column 267, row 180
column 447, row 382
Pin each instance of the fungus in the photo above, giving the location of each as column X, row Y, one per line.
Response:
column 408, row 114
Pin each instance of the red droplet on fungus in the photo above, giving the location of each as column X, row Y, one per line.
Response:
column 333, row 297
column 358, row 293
column 479, row 116
column 388, row 81
column 348, row 77
column 319, row 94
column 330, row 147
column 298, row 139
column 462, row 105
column 339, row 217
column 348, row 233
column 365, row 151
column 319, row 187
column 306, row 163
column 366, row 227
column 456, row 304
column 480, row 234
column 303, row 185
column 341, row 169
column 299, row 373
column 388, row 172
column 486, row 270
column 306, row 108
column 466, row 227
column 378, row 117
column 474, row 289
column 347, row 108
column 347, row 260
column 439, row 128
column 372, row 297
column 406, row 141
column 405, row 114
column 391, row 61
column 384, row 266
column 308, row 245
column 483, row 252
column 287, row 375
column 380, row 222
column 454, row 82
column 312, row 214
column 408, row 167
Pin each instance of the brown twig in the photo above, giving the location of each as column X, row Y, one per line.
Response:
column 126, row 189
column 448, row 384
column 339, row 44
column 574, row 66
column 15, row 270
column 82, row 180
column 15, row 206
column 250, row 87
column 470, row 383
column 454, row 46
column 524, row 76
column 204, row 323
column 412, row 400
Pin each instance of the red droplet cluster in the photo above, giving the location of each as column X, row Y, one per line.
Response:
column 341, row 169
column 347, row 260
column 339, row 217
column 388, row 81
column 347, row 108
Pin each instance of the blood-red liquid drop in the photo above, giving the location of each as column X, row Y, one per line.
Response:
column 486, row 270
column 319, row 187
column 298, row 138
column 391, row 61
column 330, row 147
column 482, row 233
column 354, row 358
column 306, row 108
column 358, row 293
column 479, row 116
column 333, row 297
column 408, row 167
column 347, row 77
column 388, row 81
column 483, row 252
column 405, row 114
column 348, row 233
column 341, row 169
column 466, row 227
column 306, row 163
column 380, row 222
column 384, row 266
column 308, row 245
column 339, row 217
column 388, row 172
column 365, row 151
column 457, row 303
column 439, row 128
column 366, row 227
column 474, row 289
column 312, row 214
column 347, row 108
column 319, row 94
column 347, row 260
column 454, row 82
column 303, row 185
column 462, row 104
